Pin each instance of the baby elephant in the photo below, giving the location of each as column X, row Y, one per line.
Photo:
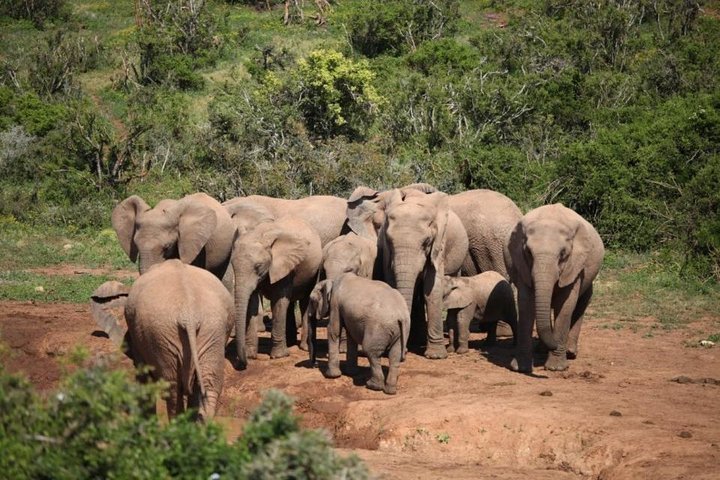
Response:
column 374, row 316
column 179, row 318
column 487, row 297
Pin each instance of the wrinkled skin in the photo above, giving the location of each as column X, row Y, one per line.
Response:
column 195, row 229
column 487, row 297
column 324, row 213
column 375, row 317
column 348, row 253
column 420, row 242
column 279, row 259
column 179, row 319
column 553, row 257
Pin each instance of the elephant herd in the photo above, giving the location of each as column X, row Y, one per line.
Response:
column 381, row 265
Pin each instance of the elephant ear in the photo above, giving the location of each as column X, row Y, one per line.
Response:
column 575, row 263
column 107, row 304
column 196, row 224
column 519, row 268
column 439, row 225
column 361, row 207
column 458, row 295
column 123, row 221
column 287, row 250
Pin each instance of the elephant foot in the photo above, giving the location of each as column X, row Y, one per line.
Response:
column 279, row 352
column 238, row 364
column 521, row 366
column 303, row 346
column 390, row 389
column 435, row 351
column 250, row 352
column 462, row 350
column 373, row 384
column 556, row 363
column 332, row 372
column 450, row 348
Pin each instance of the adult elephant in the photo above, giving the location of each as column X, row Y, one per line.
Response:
column 553, row 257
column 421, row 240
column 176, row 318
column 324, row 213
column 196, row 229
column 280, row 259
column 488, row 217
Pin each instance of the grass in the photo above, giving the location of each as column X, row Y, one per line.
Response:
column 26, row 286
column 633, row 287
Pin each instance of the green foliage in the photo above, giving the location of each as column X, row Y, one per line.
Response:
column 336, row 94
column 397, row 26
column 96, row 426
column 37, row 11
column 176, row 38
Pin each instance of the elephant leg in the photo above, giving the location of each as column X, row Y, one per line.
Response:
column 576, row 324
column 351, row 364
column 463, row 329
column 174, row 402
column 280, row 305
column 150, row 407
column 377, row 380
column 563, row 304
column 451, row 322
column 433, row 308
column 254, row 321
column 333, row 333
column 395, row 356
column 290, row 325
column 304, row 302
column 523, row 361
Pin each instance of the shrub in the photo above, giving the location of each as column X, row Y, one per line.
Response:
column 336, row 94
column 96, row 426
column 396, row 26
column 37, row 11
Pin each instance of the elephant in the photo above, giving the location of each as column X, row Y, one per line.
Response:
column 280, row 259
column 375, row 317
column 421, row 241
column 196, row 229
column 324, row 213
column 487, row 297
column 348, row 253
column 178, row 320
column 553, row 257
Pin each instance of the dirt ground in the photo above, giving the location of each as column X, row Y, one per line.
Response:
column 615, row 414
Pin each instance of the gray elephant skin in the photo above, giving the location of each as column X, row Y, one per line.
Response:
column 486, row 297
column 324, row 213
column 279, row 259
column 553, row 257
column 196, row 229
column 421, row 241
column 375, row 317
column 178, row 321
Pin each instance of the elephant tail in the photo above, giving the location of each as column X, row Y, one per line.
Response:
column 191, row 330
column 403, row 340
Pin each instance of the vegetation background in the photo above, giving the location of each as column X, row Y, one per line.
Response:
column 609, row 106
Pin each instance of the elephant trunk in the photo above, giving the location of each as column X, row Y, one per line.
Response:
column 544, row 277
column 147, row 259
column 242, row 300
column 405, row 278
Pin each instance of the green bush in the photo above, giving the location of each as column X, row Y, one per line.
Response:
column 397, row 26
column 96, row 426
column 37, row 11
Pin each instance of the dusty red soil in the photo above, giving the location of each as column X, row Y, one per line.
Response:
column 616, row 414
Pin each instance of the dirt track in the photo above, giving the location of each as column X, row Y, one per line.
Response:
column 615, row 414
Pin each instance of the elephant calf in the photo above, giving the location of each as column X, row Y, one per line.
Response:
column 373, row 314
column 487, row 297
column 179, row 319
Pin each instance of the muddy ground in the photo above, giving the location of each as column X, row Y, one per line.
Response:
column 615, row 414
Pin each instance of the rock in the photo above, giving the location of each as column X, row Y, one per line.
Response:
column 682, row 379
column 40, row 289
column 67, row 246
column 546, row 393
column 685, row 434
column 707, row 343
column 615, row 413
